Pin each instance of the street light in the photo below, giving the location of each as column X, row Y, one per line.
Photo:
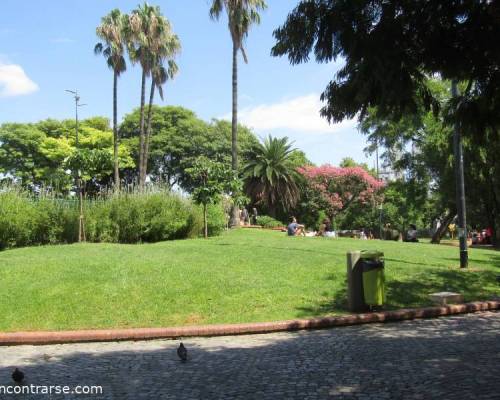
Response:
column 81, row 222
column 77, row 105
column 381, row 206
column 460, row 186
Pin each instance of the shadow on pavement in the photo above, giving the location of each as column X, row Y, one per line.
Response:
column 447, row 358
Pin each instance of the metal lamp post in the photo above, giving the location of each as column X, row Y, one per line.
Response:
column 381, row 206
column 81, row 222
column 460, row 187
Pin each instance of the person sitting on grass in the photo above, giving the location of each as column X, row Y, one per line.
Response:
column 411, row 235
column 295, row 229
column 324, row 228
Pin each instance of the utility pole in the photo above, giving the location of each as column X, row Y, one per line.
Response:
column 380, row 207
column 81, row 222
column 460, row 186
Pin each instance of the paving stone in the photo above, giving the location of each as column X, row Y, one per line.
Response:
column 447, row 358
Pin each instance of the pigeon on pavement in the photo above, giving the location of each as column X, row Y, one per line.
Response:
column 182, row 352
column 18, row 376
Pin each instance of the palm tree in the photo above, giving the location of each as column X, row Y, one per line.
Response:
column 168, row 46
column 150, row 43
column 270, row 175
column 138, row 31
column 111, row 33
column 241, row 15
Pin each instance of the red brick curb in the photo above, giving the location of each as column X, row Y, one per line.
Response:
column 104, row 335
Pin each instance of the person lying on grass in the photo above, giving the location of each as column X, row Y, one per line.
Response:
column 295, row 229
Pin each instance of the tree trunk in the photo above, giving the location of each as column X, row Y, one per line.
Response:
column 271, row 208
column 234, row 124
column 205, row 222
column 142, row 177
column 234, row 130
column 148, row 131
column 115, row 133
column 492, row 225
column 81, row 223
column 436, row 237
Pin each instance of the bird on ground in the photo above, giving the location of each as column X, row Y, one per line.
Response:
column 18, row 376
column 182, row 352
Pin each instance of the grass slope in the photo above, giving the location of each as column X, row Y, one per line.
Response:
column 242, row 276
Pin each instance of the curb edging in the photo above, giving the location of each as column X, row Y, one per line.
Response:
column 107, row 335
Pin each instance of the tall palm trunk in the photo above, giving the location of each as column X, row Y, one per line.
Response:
column 148, row 128
column 142, row 175
column 115, row 132
column 234, row 126
column 234, row 130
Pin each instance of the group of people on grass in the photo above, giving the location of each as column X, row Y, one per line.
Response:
column 296, row 229
column 246, row 218
column 325, row 230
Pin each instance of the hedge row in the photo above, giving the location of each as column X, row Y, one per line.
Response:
column 126, row 218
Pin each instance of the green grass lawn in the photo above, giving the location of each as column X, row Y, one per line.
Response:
column 242, row 276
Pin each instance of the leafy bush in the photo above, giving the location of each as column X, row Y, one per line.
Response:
column 99, row 223
column 17, row 219
column 50, row 219
column 166, row 217
column 26, row 219
column 268, row 222
column 216, row 219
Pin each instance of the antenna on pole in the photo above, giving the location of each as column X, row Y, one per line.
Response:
column 81, row 223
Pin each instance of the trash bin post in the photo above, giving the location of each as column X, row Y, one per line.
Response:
column 355, row 299
column 373, row 282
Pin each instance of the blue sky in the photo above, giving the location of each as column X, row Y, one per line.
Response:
column 47, row 47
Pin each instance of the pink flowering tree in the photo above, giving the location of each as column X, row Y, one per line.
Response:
column 338, row 188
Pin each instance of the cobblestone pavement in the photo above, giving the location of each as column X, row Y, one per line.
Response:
column 446, row 358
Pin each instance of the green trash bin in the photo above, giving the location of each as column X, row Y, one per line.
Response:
column 372, row 265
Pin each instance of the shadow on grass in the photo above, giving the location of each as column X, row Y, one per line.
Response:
column 348, row 362
column 288, row 249
column 492, row 261
column 474, row 285
column 406, row 261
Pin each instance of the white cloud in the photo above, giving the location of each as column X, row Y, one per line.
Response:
column 300, row 114
column 14, row 81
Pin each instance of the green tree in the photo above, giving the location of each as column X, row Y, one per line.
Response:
column 111, row 32
column 150, row 41
column 212, row 180
column 420, row 147
column 271, row 178
column 457, row 41
column 20, row 156
column 165, row 47
column 36, row 155
column 241, row 15
column 179, row 137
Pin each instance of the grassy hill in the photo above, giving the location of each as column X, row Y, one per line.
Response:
column 241, row 276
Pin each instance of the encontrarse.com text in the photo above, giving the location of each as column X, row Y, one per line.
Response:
column 50, row 389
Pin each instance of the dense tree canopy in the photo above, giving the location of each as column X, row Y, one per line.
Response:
column 420, row 147
column 179, row 137
column 390, row 47
column 43, row 154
